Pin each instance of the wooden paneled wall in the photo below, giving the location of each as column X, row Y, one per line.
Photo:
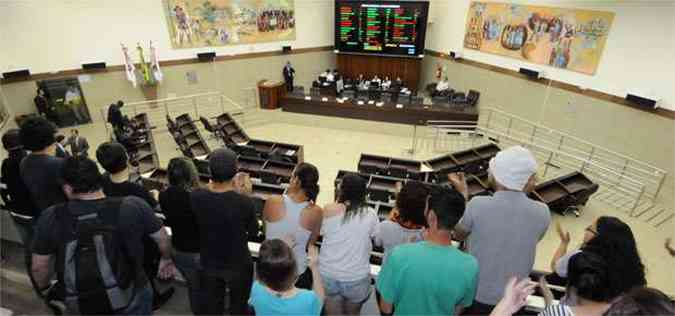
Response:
column 406, row 68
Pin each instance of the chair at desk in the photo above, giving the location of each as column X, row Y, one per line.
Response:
column 298, row 91
column 386, row 97
column 316, row 84
column 215, row 132
column 351, row 94
column 315, row 92
column 416, row 100
column 458, row 98
column 472, row 98
column 374, row 94
column 170, row 123
column 275, row 155
column 397, row 172
column 404, row 98
column 245, row 150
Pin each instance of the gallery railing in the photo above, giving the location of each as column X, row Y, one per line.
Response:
column 209, row 105
column 616, row 171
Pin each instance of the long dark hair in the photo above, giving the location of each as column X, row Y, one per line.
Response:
column 308, row 176
column 589, row 277
column 353, row 195
column 183, row 174
column 616, row 244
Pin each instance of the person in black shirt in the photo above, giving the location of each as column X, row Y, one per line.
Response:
column 14, row 192
column 41, row 170
column 115, row 161
column 175, row 204
column 135, row 219
column 226, row 218
column 115, row 117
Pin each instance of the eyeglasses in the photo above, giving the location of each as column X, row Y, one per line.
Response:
column 591, row 230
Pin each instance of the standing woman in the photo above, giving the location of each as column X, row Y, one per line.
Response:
column 176, row 206
column 295, row 215
column 613, row 240
column 344, row 263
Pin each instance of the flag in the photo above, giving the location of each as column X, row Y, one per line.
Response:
column 156, row 71
column 145, row 70
column 129, row 66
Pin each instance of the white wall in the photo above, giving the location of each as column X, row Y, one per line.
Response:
column 638, row 56
column 53, row 35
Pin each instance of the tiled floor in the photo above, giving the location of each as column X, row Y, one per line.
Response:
column 333, row 144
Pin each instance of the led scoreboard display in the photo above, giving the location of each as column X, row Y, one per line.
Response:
column 381, row 27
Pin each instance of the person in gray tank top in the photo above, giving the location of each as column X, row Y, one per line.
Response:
column 295, row 216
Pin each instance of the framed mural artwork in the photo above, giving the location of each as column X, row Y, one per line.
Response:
column 566, row 38
column 208, row 23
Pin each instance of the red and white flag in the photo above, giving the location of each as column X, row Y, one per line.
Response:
column 129, row 66
column 156, row 71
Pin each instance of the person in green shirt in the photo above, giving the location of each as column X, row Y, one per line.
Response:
column 430, row 277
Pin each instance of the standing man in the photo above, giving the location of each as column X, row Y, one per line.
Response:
column 226, row 219
column 14, row 192
column 125, row 290
column 115, row 117
column 61, row 144
column 79, row 145
column 431, row 277
column 289, row 75
column 41, row 169
column 502, row 231
column 115, row 161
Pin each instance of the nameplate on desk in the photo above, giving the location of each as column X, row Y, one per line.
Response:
column 308, row 98
column 379, row 104
column 399, row 106
column 359, row 103
column 371, row 102
column 340, row 101
column 324, row 99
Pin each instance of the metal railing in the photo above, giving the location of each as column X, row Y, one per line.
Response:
column 628, row 176
column 208, row 104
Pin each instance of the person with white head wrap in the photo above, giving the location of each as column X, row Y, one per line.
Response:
column 502, row 231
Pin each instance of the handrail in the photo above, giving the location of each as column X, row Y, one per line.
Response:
column 495, row 119
column 494, row 109
column 606, row 174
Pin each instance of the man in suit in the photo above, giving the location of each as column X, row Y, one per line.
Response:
column 61, row 143
column 289, row 75
column 78, row 144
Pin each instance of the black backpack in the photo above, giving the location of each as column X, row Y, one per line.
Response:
column 98, row 272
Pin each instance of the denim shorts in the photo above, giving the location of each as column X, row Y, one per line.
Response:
column 355, row 292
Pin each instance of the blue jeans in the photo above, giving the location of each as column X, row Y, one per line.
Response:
column 141, row 304
column 188, row 265
column 355, row 292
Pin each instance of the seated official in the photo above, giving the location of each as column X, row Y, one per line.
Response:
column 386, row 84
column 324, row 75
column 398, row 82
column 360, row 80
column 442, row 88
column 377, row 80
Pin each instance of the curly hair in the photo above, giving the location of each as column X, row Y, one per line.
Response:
column 616, row 244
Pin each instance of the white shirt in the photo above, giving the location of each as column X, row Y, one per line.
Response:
column 386, row 84
column 330, row 77
column 442, row 85
column 345, row 251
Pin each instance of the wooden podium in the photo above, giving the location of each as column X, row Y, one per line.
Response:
column 271, row 93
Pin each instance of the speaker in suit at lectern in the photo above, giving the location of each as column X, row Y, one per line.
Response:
column 270, row 93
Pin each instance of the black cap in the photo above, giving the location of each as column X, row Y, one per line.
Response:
column 223, row 164
column 11, row 140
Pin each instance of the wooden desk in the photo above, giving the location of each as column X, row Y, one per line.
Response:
column 413, row 114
